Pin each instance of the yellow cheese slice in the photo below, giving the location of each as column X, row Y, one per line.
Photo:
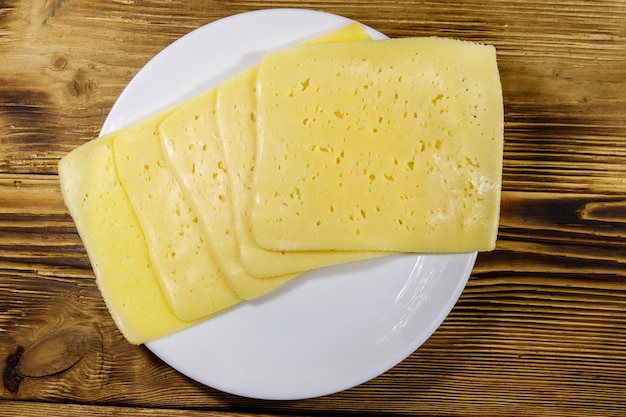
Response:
column 195, row 156
column 192, row 281
column 115, row 243
column 386, row 145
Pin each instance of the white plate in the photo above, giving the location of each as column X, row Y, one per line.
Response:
column 331, row 329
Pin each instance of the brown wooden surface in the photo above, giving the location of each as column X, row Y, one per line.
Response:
column 540, row 328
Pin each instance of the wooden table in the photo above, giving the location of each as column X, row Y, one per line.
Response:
column 541, row 326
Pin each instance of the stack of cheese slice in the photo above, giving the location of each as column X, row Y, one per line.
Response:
column 338, row 150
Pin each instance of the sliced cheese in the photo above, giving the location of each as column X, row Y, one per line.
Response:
column 379, row 145
column 115, row 243
column 195, row 156
column 191, row 279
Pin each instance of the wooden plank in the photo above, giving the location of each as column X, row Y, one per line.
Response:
column 34, row 409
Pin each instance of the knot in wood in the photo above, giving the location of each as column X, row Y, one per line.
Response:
column 53, row 354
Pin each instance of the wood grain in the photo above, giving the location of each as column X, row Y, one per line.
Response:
column 14, row 408
column 541, row 326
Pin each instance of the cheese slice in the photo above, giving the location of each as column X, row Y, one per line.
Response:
column 115, row 243
column 379, row 145
column 191, row 279
column 195, row 156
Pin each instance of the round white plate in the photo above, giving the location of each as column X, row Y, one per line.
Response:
column 328, row 330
